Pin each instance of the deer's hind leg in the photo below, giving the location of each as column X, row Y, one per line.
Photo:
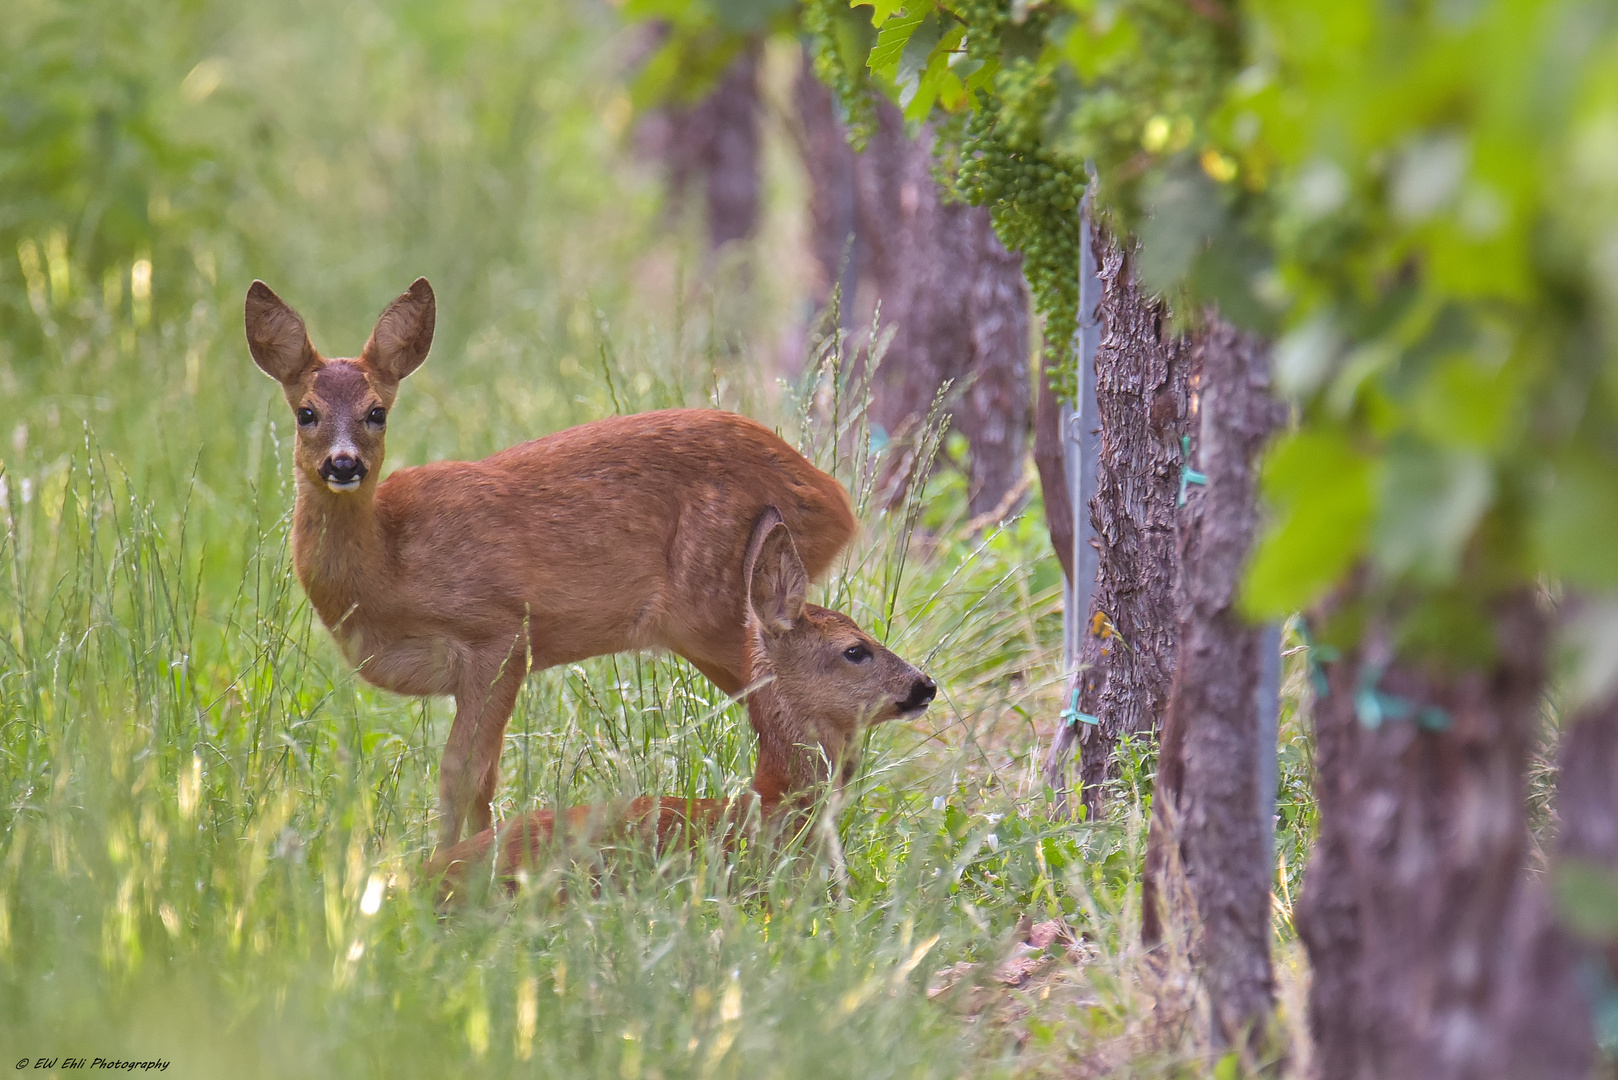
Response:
column 484, row 697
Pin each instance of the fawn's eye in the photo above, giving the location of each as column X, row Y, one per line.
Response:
column 306, row 416
column 378, row 416
column 857, row 654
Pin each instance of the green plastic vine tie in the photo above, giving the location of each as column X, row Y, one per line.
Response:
column 1318, row 656
column 1373, row 706
column 1074, row 717
column 1188, row 475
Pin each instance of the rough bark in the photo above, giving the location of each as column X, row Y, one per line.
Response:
column 1587, row 807
column 717, row 143
column 993, row 412
column 1544, row 1015
column 1206, row 801
column 953, row 295
column 886, row 200
column 1412, row 888
column 1587, row 786
column 1142, row 380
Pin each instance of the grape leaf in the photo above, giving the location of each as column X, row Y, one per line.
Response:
column 918, row 51
column 891, row 41
column 1319, row 484
column 1576, row 521
column 1429, row 501
column 881, row 10
column 933, row 78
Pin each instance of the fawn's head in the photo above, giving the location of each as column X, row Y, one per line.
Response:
column 340, row 405
column 830, row 676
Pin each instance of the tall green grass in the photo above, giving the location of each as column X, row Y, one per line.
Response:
column 211, row 826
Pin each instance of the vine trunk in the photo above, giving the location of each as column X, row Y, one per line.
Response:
column 1206, row 802
column 1416, row 879
column 1127, row 655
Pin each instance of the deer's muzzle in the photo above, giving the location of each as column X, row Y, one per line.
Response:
column 342, row 472
column 922, row 692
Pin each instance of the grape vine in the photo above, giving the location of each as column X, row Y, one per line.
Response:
column 946, row 64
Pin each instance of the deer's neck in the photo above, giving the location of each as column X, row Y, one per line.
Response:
column 338, row 548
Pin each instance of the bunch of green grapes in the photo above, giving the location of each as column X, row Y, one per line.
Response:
column 838, row 45
column 1033, row 197
column 984, row 20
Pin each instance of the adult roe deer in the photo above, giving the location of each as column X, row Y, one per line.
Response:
column 816, row 680
column 460, row 577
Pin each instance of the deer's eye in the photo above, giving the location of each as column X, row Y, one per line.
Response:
column 378, row 416
column 857, row 654
column 306, row 416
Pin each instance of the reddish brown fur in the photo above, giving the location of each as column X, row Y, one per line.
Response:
column 809, row 702
column 460, row 577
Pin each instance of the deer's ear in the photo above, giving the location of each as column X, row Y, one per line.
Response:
column 403, row 334
column 776, row 580
column 276, row 336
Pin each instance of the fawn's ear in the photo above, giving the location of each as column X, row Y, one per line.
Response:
column 276, row 336
column 403, row 334
column 776, row 580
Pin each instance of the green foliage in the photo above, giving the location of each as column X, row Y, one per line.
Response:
column 947, row 59
column 1430, row 217
column 1320, row 489
column 699, row 40
column 1047, row 92
column 95, row 159
column 1417, row 201
column 337, row 153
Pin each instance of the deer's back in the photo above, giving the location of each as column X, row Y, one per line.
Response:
column 623, row 533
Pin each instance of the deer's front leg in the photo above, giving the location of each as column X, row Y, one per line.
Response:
column 484, row 698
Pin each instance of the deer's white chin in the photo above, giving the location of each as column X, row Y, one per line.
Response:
column 345, row 485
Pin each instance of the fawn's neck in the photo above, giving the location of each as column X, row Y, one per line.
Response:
column 791, row 764
column 337, row 547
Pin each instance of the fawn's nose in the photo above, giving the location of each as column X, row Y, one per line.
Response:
column 343, row 469
column 922, row 692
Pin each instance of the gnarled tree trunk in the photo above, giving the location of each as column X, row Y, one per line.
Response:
column 1206, row 804
column 1412, row 886
column 717, row 143
column 952, row 293
column 829, row 162
column 1546, row 1001
column 1143, row 377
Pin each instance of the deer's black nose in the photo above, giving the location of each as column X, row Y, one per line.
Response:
column 922, row 691
column 343, row 469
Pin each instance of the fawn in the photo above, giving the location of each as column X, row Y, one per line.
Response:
column 817, row 681
column 460, row 577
